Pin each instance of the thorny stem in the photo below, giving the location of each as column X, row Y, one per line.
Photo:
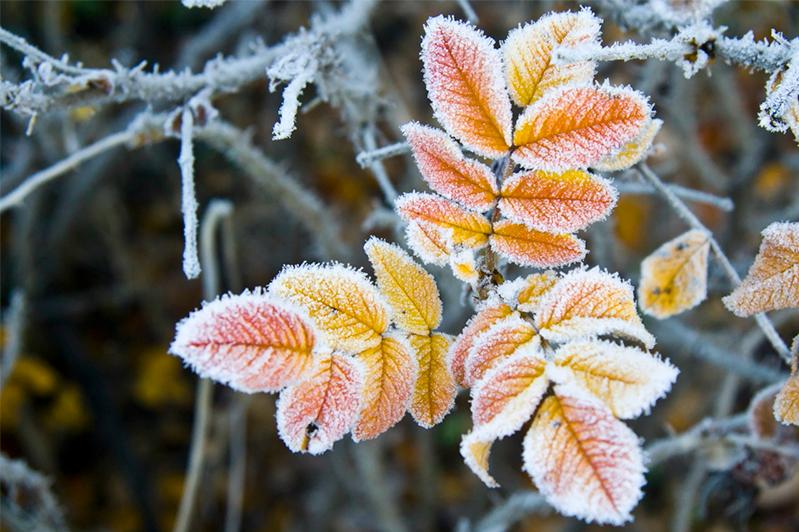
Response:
column 685, row 213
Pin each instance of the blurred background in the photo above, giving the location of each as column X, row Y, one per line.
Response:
column 94, row 402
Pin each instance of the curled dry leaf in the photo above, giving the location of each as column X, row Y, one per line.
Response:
column 760, row 414
column 465, row 227
column 528, row 247
column 447, row 171
column 626, row 379
column 786, row 404
column 390, row 371
column 527, row 54
column 585, row 462
column 553, row 202
column 502, row 340
column 410, row 291
column 674, row 276
column 576, row 127
column 773, row 280
column 463, row 76
column 434, row 390
column 250, row 342
column 589, row 303
column 632, row 152
column 342, row 302
column 476, row 449
column 317, row 412
column 489, row 313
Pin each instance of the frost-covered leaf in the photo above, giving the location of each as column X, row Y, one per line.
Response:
column 632, row 152
column 411, row 292
column 528, row 247
column 583, row 460
column 343, row 302
column 463, row 75
column 558, row 203
column 527, row 52
column 578, row 126
column 626, row 379
column 786, row 405
column 389, row 374
column 476, row 449
column 465, row 227
column 773, row 280
column 525, row 293
column 428, row 243
column 492, row 311
column 589, row 303
column 447, row 171
column 464, row 265
column 502, row 340
column 674, row 276
column 506, row 397
column 434, row 391
column 317, row 412
column 250, row 341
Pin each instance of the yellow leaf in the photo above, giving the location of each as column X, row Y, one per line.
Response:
column 674, row 277
column 343, row 303
column 786, row 405
column 411, row 292
column 465, row 227
column 434, row 390
column 526, row 292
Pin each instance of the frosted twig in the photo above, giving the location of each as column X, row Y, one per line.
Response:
column 685, row 213
column 468, row 10
column 764, row 445
column 27, row 502
column 662, row 49
column 21, row 45
column 15, row 327
column 215, row 214
column 238, row 463
column 188, row 202
column 696, row 196
column 707, row 430
column 366, row 158
column 512, row 510
column 377, row 168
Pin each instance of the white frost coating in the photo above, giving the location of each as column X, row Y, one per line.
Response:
column 191, row 261
column 472, row 461
column 782, row 91
column 202, row 3
column 291, row 103
column 464, row 265
column 509, row 290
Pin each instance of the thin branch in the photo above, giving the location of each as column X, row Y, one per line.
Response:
column 27, row 502
column 377, row 168
column 468, row 10
column 28, row 50
column 188, row 202
column 706, row 431
column 15, row 328
column 238, row 463
column 366, row 158
column 512, row 510
column 685, row 213
column 690, row 194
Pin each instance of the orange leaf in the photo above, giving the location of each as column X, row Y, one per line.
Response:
column 487, row 315
column 250, row 342
column 525, row 293
column 434, row 391
column 465, row 227
column 320, row 410
column 552, row 202
column 428, row 243
column 590, row 303
column 390, row 373
column 463, row 75
column 583, row 460
column 578, row 126
column 528, row 247
column 343, row 302
column 786, row 405
column 674, row 276
column 528, row 54
column 632, row 152
column 502, row 340
column 773, row 280
column 475, row 449
column 447, row 171
column 411, row 292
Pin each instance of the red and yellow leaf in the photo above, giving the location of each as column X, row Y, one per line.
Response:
column 507, row 396
column 527, row 52
column 410, row 291
column 317, row 412
column 428, row 243
column 342, row 302
column 674, row 276
column 390, row 371
column 250, row 342
column 590, row 303
column 578, row 126
column 583, row 460
column 553, row 202
column 773, row 280
column 463, row 75
column 492, row 311
column 476, row 449
column 502, row 340
column 467, row 228
column 632, row 152
column 434, row 390
column 447, row 171
column 525, row 293
column 528, row 247
column 626, row 379
column 786, row 405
